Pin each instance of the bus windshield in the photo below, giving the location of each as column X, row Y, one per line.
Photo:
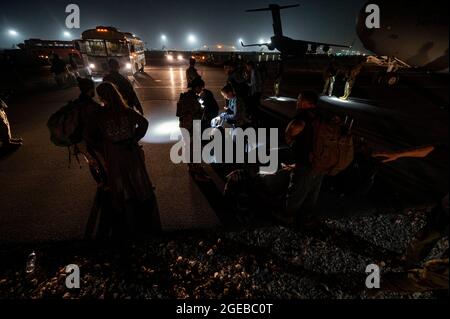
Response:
column 117, row 48
column 96, row 47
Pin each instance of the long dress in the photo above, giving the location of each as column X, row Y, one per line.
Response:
column 132, row 196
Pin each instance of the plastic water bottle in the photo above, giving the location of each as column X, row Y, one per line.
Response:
column 31, row 263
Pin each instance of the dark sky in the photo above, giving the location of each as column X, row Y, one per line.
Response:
column 211, row 21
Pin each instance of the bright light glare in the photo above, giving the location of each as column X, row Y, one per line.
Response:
column 163, row 130
column 92, row 66
column 128, row 66
column 67, row 34
column 240, row 40
column 192, row 38
column 170, row 57
column 163, row 37
column 180, row 57
column 283, row 99
column 261, row 41
column 335, row 98
column 13, row 33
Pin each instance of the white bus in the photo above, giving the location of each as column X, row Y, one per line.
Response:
column 103, row 43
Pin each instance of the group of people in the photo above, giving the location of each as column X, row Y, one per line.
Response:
column 242, row 93
column 65, row 73
column 111, row 131
column 349, row 74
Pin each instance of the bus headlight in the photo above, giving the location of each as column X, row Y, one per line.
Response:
column 128, row 66
column 92, row 66
column 180, row 57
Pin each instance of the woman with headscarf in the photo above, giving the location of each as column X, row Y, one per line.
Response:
column 116, row 131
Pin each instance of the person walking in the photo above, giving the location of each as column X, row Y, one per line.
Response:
column 191, row 72
column 123, row 85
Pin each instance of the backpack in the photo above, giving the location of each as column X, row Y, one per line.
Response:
column 333, row 149
column 180, row 105
column 64, row 125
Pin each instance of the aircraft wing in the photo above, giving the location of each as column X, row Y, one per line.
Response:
column 254, row 45
column 319, row 44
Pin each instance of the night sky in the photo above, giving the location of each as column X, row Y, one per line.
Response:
column 212, row 22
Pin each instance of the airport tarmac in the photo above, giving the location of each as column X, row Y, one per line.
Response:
column 42, row 199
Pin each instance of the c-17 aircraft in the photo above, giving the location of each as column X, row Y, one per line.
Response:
column 286, row 45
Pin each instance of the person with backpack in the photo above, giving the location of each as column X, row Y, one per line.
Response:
column 117, row 129
column 189, row 109
column 320, row 147
column 88, row 109
column 124, row 86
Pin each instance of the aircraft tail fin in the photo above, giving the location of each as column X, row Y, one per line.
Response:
column 276, row 16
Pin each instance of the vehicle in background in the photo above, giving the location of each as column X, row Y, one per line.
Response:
column 43, row 49
column 99, row 45
column 176, row 57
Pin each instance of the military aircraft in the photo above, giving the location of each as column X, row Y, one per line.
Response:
column 286, row 45
column 415, row 33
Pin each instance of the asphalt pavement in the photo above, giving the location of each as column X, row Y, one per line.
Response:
column 42, row 199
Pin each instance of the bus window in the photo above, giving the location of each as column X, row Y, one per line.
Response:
column 96, row 47
column 139, row 47
column 117, row 48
